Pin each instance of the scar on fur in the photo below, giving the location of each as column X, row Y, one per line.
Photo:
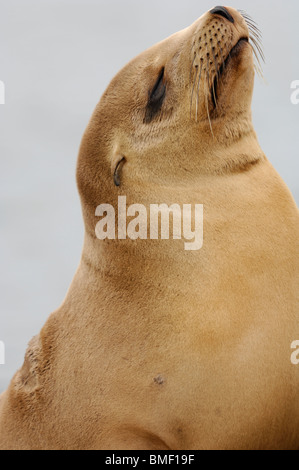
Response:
column 159, row 380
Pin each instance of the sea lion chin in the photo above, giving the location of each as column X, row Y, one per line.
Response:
column 154, row 347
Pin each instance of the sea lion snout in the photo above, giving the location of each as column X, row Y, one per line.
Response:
column 223, row 45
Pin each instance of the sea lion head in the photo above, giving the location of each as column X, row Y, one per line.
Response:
column 179, row 110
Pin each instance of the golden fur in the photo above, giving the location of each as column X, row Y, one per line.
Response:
column 155, row 347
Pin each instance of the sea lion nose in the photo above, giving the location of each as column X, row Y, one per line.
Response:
column 222, row 12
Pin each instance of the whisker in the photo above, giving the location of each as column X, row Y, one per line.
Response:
column 247, row 16
column 228, row 49
column 215, row 63
column 193, row 91
column 216, row 76
column 192, row 66
column 258, row 71
column 258, row 66
column 197, row 95
column 207, row 105
column 255, row 37
column 258, row 48
column 208, row 93
column 253, row 28
column 250, row 22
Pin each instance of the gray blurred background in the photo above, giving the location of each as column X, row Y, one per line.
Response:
column 56, row 59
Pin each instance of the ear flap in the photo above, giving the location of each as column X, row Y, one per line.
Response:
column 118, row 171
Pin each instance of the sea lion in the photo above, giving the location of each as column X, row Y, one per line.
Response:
column 155, row 347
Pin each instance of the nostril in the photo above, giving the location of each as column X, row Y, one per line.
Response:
column 221, row 11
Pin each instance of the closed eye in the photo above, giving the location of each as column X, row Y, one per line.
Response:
column 156, row 98
column 158, row 93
